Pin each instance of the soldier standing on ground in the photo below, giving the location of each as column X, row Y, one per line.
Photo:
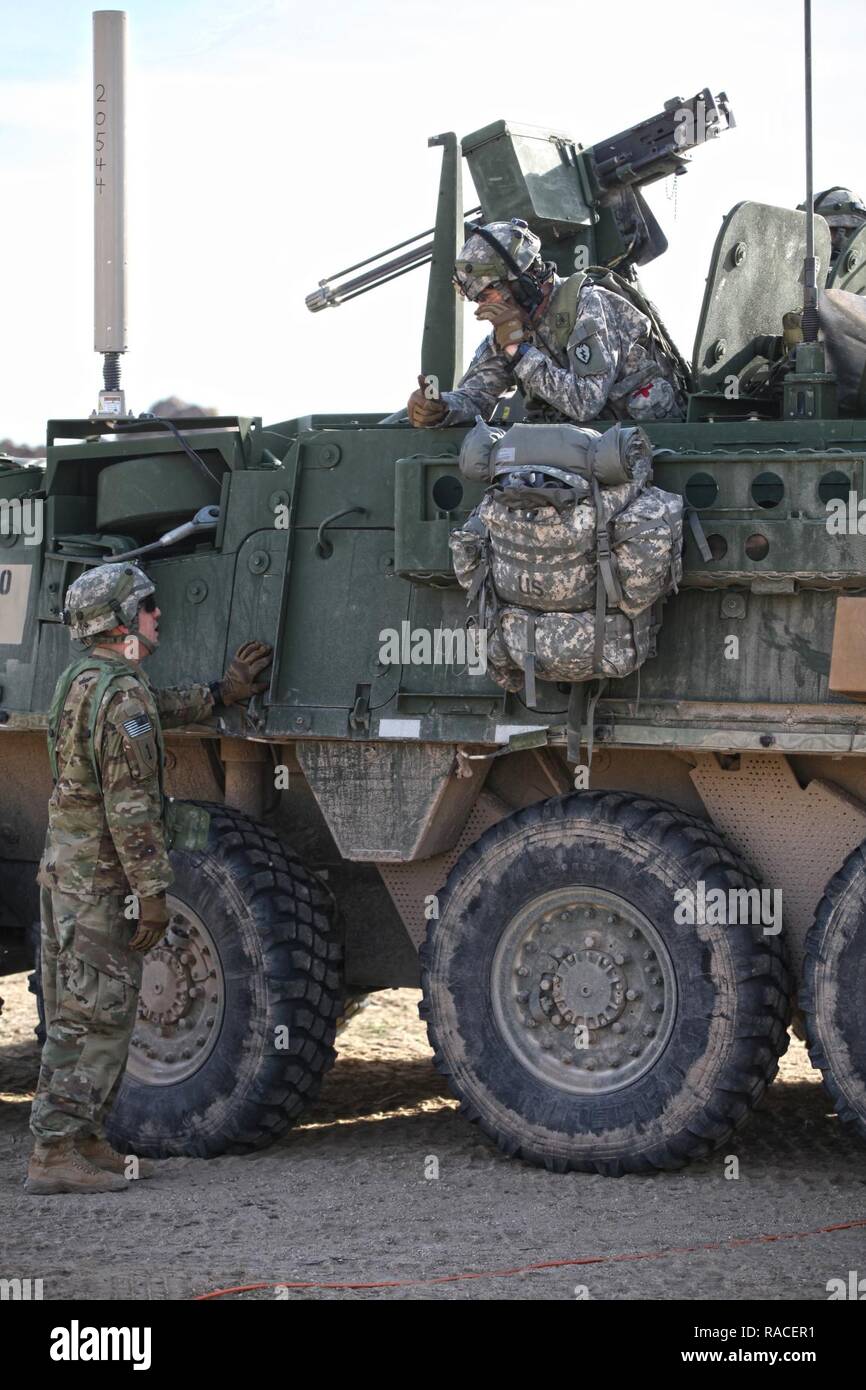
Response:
column 106, row 846
column 576, row 351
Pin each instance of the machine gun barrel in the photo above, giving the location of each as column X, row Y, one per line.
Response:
column 332, row 293
column 656, row 147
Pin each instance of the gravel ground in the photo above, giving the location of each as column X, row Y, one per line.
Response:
column 346, row 1197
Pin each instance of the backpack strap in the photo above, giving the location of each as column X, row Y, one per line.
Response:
column 579, row 710
column 609, row 280
column 563, row 308
column 531, row 694
column 61, row 690
column 607, row 585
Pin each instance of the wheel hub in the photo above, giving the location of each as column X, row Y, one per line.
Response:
column 181, row 1003
column 586, row 989
column 583, row 989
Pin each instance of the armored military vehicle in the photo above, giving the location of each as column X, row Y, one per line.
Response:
column 608, row 972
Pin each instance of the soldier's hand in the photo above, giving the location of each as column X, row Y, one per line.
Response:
column 153, row 919
column 241, row 679
column 423, row 410
column 509, row 327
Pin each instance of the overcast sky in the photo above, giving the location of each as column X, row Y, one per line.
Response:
column 270, row 144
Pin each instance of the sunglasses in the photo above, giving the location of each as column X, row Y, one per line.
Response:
column 149, row 603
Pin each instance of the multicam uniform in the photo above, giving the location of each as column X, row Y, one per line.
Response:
column 106, row 840
column 609, row 366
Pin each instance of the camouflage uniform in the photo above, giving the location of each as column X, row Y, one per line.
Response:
column 609, row 362
column 104, row 843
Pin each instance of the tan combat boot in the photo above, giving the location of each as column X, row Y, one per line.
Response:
column 102, row 1155
column 58, row 1168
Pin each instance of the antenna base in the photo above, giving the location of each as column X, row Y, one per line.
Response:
column 111, row 403
column 810, row 390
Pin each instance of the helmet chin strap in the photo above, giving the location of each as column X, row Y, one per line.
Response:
column 146, row 642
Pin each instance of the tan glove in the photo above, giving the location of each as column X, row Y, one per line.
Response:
column 153, row 919
column 424, row 412
column 508, row 323
column 239, row 681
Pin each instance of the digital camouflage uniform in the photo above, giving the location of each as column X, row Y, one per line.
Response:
column 608, row 362
column 104, row 843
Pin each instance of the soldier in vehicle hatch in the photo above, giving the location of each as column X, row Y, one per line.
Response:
column 843, row 212
column 576, row 349
column 109, row 831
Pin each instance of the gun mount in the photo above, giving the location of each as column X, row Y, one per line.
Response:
column 586, row 206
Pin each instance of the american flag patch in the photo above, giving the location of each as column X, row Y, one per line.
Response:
column 138, row 727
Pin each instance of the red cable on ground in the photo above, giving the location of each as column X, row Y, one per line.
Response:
column 548, row 1264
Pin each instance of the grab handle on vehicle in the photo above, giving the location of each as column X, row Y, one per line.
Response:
column 323, row 546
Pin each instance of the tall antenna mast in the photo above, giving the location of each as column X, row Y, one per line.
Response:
column 810, row 270
column 109, row 202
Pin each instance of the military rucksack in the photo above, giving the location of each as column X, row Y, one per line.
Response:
column 568, row 555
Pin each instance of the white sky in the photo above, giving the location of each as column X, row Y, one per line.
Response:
column 270, row 144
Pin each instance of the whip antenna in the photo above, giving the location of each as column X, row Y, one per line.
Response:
column 810, row 274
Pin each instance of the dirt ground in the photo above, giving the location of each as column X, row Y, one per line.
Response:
column 346, row 1198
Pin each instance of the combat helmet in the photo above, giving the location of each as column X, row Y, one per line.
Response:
column 496, row 252
column 104, row 597
column 840, row 207
column 842, row 210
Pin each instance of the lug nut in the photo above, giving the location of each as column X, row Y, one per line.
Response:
column 632, row 994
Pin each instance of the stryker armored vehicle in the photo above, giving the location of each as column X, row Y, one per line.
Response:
column 377, row 824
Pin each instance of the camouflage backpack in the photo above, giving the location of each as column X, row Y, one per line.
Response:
column 567, row 556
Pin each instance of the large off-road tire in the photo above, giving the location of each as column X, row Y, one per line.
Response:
column 577, row 1023
column 238, row 1005
column 833, row 996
